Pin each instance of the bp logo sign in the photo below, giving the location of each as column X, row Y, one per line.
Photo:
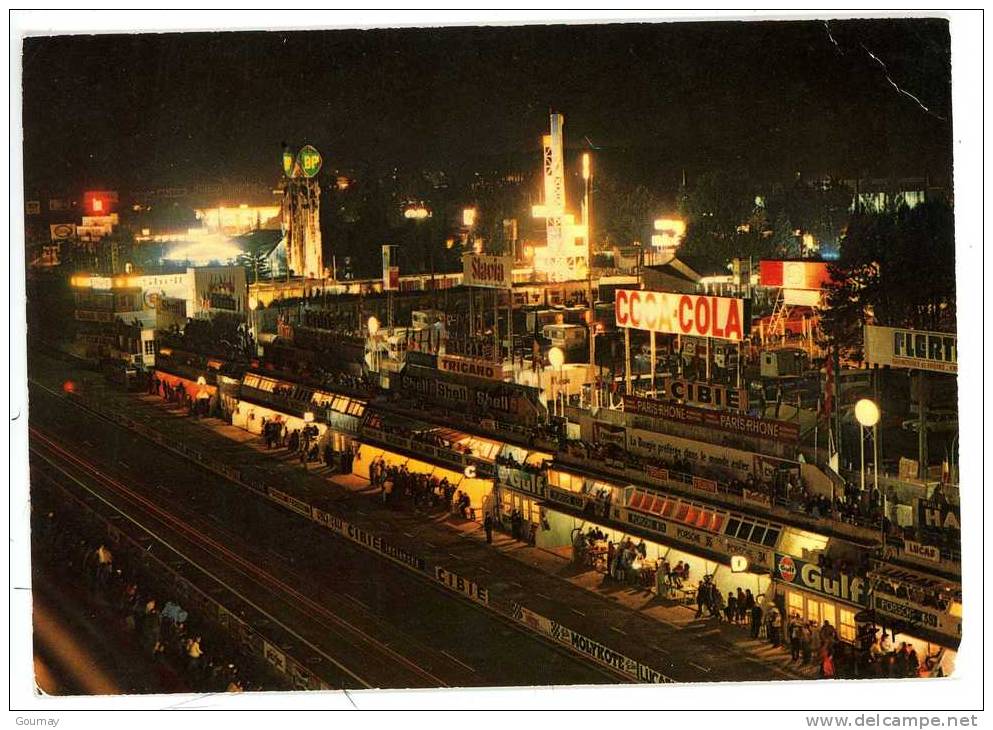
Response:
column 309, row 160
column 787, row 568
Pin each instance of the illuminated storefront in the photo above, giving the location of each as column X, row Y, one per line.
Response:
column 819, row 594
column 261, row 395
column 680, row 529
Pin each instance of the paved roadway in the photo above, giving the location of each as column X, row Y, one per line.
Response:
column 662, row 636
column 382, row 625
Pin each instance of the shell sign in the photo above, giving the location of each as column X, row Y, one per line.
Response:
column 698, row 315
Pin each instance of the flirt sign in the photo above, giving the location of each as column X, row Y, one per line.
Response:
column 682, row 314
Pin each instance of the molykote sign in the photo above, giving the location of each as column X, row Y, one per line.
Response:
column 739, row 423
column 494, row 272
column 901, row 348
column 801, row 574
column 682, row 314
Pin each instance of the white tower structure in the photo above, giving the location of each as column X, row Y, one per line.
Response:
column 565, row 255
column 302, row 213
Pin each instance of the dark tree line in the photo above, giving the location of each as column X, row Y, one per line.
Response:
column 897, row 268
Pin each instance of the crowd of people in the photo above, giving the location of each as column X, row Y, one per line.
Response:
column 851, row 504
column 303, row 442
column 179, row 395
column 190, row 652
column 398, row 484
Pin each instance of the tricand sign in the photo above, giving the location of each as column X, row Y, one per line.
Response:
column 916, row 349
column 682, row 314
column 470, row 366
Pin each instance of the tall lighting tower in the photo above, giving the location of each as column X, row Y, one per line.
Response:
column 302, row 212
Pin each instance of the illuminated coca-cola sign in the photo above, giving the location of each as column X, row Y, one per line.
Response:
column 697, row 315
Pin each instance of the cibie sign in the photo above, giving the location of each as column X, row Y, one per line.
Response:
column 682, row 314
column 489, row 271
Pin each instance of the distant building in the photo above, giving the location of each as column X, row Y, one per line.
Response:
column 874, row 195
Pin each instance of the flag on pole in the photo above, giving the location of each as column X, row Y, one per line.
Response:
column 828, row 403
column 832, row 451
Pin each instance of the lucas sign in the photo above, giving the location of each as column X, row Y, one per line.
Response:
column 916, row 349
column 682, row 314
column 493, row 272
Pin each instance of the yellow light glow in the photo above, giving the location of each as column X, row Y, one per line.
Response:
column 209, row 247
column 675, row 225
column 469, row 217
column 417, row 213
column 556, row 357
column 201, row 380
column 308, row 417
column 253, row 303
column 539, row 211
column 586, row 166
column 808, row 241
column 373, row 325
column 867, row 413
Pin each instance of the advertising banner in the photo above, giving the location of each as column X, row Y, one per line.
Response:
column 706, row 394
column 916, row 349
column 801, row 574
column 737, row 423
column 391, row 268
column 588, row 647
column 494, row 272
column 606, row 433
column 461, row 585
column 811, row 275
column 525, row 481
column 473, row 367
column 99, row 202
column 933, row 515
column 925, row 552
column 917, row 615
column 62, row 231
column 683, row 314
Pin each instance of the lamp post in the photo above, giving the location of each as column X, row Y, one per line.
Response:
column 867, row 414
column 556, row 358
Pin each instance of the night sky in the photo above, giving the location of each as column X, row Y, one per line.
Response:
column 771, row 97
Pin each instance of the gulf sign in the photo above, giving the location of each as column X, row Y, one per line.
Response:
column 682, row 314
column 811, row 275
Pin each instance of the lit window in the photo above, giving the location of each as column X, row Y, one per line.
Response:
column 795, row 603
column 846, row 624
